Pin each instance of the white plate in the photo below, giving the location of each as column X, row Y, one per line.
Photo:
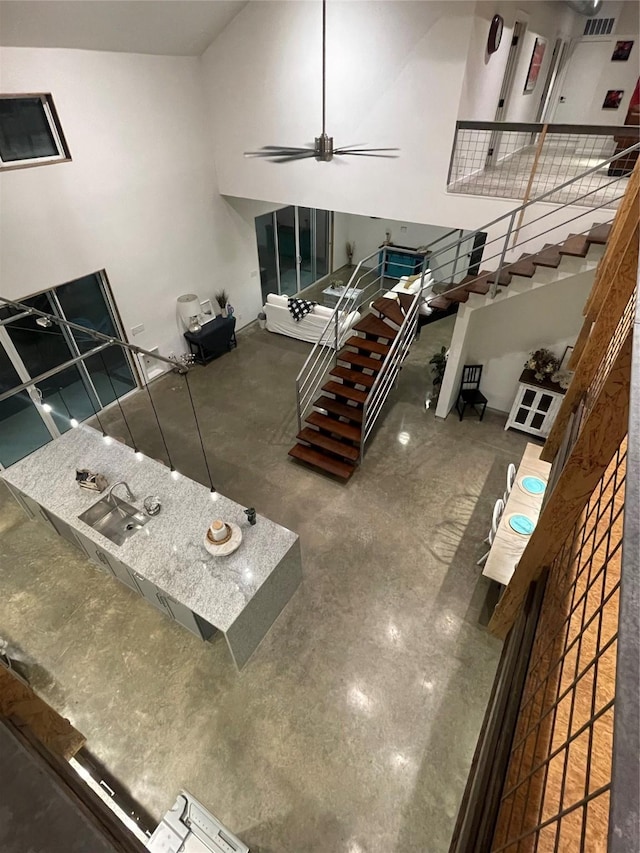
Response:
column 229, row 547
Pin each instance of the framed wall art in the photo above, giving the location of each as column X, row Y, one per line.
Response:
column 537, row 56
column 621, row 51
column 612, row 99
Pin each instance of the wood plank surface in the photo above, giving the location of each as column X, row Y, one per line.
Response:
column 17, row 699
column 508, row 545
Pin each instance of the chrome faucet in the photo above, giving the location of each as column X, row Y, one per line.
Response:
column 130, row 495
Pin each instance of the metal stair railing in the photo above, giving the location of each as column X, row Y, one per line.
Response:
column 324, row 353
column 504, row 253
column 391, row 366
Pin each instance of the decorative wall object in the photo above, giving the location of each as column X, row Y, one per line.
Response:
column 495, row 34
column 564, row 364
column 536, row 63
column 621, row 51
column 612, row 99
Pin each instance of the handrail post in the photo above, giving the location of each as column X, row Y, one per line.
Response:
column 298, row 411
column 494, row 286
column 534, row 169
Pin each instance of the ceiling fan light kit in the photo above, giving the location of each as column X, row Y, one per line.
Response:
column 322, row 150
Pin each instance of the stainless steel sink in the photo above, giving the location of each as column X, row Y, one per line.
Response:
column 114, row 518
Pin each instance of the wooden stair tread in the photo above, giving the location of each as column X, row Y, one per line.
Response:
column 360, row 360
column 332, row 445
column 440, row 302
column 548, row 256
column 390, row 308
column 456, row 295
column 373, row 326
column 355, row 377
column 367, row 345
column 524, row 266
column 405, row 300
column 333, row 425
column 599, row 234
column 339, row 467
column 476, row 284
column 352, row 413
column 575, row 245
column 504, row 278
column 345, row 391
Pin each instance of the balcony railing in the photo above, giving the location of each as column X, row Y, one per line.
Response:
column 556, row 767
column 520, row 161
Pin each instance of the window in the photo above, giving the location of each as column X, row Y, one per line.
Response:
column 30, row 132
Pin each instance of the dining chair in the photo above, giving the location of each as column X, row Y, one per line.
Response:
column 511, row 478
column 498, row 509
column 469, row 393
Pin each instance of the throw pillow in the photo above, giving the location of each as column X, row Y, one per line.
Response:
column 299, row 308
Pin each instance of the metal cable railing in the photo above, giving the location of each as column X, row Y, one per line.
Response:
column 510, row 224
column 369, row 282
column 391, row 366
column 513, row 160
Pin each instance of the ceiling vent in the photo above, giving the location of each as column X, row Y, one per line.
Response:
column 599, row 26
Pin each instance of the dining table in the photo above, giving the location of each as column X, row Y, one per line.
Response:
column 519, row 517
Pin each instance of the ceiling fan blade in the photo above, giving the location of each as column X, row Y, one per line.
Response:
column 271, row 150
column 364, row 154
column 287, row 158
column 350, row 150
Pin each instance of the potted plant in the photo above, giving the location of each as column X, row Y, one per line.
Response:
column 350, row 247
column 543, row 363
column 438, row 362
column 222, row 298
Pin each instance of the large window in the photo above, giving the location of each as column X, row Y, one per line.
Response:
column 30, row 132
column 58, row 400
column 293, row 248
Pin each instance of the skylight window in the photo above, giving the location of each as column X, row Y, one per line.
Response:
column 30, row 133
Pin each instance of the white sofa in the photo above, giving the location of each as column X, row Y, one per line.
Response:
column 411, row 285
column 310, row 328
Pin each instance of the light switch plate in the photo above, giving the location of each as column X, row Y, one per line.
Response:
column 135, row 330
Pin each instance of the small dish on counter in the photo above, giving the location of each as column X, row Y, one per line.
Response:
column 532, row 485
column 227, row 544
column 521, row 524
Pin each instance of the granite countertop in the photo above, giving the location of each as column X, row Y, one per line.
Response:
column 169, row 550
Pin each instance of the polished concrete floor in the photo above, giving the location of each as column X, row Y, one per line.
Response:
column 353, row 726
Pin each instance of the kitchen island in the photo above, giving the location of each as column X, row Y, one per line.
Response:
column 165, row 561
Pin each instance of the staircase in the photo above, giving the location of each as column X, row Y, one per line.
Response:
column 333, row 437
column 550, row 256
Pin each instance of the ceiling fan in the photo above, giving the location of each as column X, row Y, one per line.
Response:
column 322, row 149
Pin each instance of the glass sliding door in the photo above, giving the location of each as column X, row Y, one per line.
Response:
column 85, row 302
column 267, row 254
column 22, row 430
column 28, row 350
column 287, row 235
column 293, row 248
column 41, row 350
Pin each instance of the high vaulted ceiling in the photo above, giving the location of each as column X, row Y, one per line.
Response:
column 166, row 27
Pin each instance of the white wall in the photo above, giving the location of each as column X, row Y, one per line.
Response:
column 139, row 198
column 501, row 336
column 484, row 73
column 395, row 73
column 592, row 56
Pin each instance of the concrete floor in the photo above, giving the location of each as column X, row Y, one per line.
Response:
column 353, row 726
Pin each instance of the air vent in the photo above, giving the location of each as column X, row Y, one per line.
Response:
column 599, row 26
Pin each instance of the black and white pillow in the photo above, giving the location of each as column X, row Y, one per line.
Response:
column 299, row 308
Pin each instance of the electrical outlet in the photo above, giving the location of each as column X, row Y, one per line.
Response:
column 135, row 330
column 403, row 228
column 254, row 273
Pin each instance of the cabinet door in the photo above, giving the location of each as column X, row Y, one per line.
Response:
column 36, row 511
column 152, row 594
column 181, row 613
column 66, row 531
column 95, row 554
column 123, row 573
column 18, row 497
